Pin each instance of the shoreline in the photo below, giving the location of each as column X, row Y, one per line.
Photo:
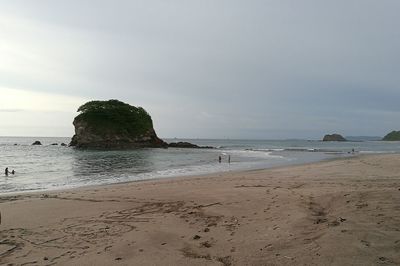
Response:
column 184, row 176
column 51, row 168
column 341, row 211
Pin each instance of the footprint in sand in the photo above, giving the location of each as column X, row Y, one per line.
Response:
column 366, row 243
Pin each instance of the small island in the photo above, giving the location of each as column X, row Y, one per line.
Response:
column 184, row 144
column 392, row 136
column 114, row 124
column 334, row 137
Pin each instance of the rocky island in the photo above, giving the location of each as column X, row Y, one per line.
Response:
column 392, row 136
column 114, row 124
column 334, row 137
column 184, row 144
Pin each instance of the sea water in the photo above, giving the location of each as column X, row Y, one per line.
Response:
column 50, row 167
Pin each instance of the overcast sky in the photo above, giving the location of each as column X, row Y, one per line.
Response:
column 207, row 69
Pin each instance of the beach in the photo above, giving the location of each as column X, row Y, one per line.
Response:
column 337, row 212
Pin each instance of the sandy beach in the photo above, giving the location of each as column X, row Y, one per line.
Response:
column 338, row 212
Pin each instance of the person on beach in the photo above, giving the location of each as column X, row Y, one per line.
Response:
column 229, row 159
column 6, row 171
column 219, row 159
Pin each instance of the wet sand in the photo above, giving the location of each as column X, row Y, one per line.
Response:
column 339, row 212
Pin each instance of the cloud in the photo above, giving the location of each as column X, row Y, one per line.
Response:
column 265, row 69
column 5, row 110
column 26, row 100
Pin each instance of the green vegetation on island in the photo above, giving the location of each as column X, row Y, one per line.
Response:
column 392, row 136
column 113, row 124
column 116, row 116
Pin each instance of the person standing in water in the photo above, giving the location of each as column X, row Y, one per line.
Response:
column 219, row 159
column 229, row 159
column 6, row 171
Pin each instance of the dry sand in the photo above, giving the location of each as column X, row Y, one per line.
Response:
column 340, row 212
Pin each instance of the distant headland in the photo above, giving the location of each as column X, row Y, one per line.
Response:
column 392, row 136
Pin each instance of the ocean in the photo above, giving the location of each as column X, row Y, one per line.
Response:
column 52, row 167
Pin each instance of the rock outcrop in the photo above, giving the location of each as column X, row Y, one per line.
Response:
column 334, row 137
column 37, row 143
column 113, row 124
column 392, row 136
column 184, row 144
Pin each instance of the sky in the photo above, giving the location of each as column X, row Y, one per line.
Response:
column 204, row 68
